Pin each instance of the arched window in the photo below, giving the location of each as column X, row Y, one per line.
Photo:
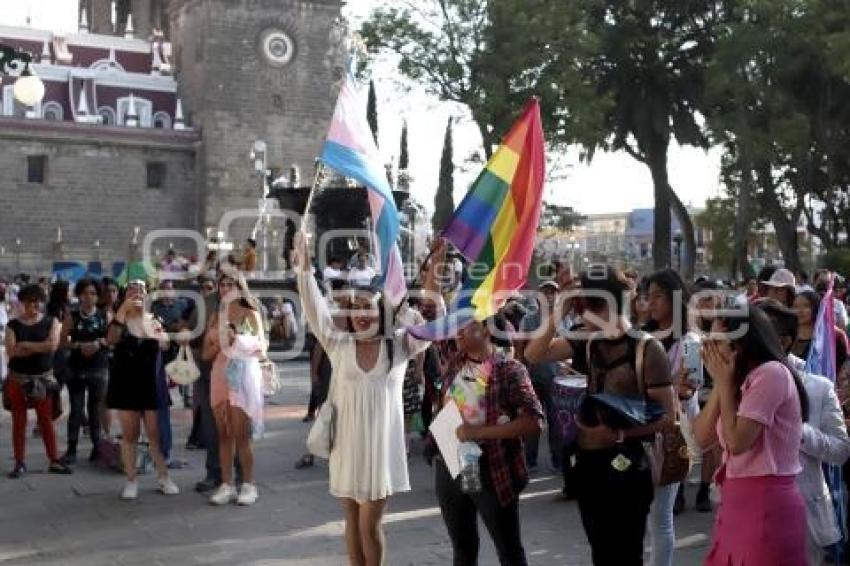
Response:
column 107, row 115
column 52, row 111
column 162, row 120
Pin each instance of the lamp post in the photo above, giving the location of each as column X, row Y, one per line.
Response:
column 18, row 245
column 678, row 239
column 29, row 89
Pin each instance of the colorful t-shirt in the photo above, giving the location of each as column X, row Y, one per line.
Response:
column 468, row 391
column 769, row 396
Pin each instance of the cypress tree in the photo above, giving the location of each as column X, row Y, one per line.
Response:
column 403, row 161
column 444, row 204
column 372, row 111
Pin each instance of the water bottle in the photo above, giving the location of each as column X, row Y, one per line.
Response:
column 470, row 469
column 692, row 359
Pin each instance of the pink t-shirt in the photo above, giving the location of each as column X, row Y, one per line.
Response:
column 769, row 397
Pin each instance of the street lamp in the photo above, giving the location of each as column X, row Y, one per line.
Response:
column 29, row 89
column 18, row 245
column 678, row 239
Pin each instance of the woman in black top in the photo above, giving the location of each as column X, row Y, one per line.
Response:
column 84, row 334
column 31, row 341
column 138, row 340
column 613, row 479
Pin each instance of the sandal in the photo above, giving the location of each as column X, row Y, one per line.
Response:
column 306, row 461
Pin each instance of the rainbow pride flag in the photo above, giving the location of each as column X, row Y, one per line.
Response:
column 495, row 225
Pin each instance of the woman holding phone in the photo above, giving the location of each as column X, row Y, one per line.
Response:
column 668, row 309
column 138, row 340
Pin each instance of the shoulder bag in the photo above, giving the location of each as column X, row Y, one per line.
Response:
column 668, row 452
column 183, row 370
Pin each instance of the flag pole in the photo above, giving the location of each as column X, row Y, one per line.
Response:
column 317, row 180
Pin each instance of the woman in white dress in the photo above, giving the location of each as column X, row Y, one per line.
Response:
column 368, row 462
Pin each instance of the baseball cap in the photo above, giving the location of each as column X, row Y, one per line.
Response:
column 781, row 278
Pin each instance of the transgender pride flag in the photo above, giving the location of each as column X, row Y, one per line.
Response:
column 350, row 150
column 821, row 361
column 821, row 358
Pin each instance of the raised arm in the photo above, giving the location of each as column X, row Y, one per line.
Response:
column 430, row 292
column 544, row 347
column 312, row 302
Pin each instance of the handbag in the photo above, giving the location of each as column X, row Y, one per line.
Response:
column 271, row 378
column 668, row 454
column 322, row 437
column 183, row 370
column 667, row 451
column 320, row 441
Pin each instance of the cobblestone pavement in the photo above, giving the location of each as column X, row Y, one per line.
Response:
column 79, row 520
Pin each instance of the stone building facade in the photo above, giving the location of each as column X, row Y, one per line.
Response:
column 150, row 113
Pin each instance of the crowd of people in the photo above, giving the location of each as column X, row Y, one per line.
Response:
column 111, row 348
column 720, row 366
column 612, row 367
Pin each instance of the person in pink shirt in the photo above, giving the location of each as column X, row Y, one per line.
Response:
column 756, row 413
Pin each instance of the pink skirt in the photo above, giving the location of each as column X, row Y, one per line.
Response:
column 761, row 522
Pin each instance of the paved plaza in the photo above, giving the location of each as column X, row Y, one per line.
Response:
column 79, row 519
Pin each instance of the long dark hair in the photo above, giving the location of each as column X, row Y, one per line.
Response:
column 385, row 315
column 57, row 303
column 758, row 345
column 814, row 300
column 670, row 282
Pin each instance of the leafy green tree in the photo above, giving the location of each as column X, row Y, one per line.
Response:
column 462, row 54
column 557, row 217
column 372, row 111
column 718, row 219
column 630, row 77
column 776, row 84
column 444, row 203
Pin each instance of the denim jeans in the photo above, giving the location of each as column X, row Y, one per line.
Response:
column 209, row 435
column 81, row 383
column 661, row 529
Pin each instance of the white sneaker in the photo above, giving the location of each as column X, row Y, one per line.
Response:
column 168, row 487
column 248, row 494
column 225, row 494
column 130, row 491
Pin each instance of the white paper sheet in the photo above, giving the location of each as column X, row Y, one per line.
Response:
column 444, row 428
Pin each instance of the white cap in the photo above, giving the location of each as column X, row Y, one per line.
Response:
column 782, row 278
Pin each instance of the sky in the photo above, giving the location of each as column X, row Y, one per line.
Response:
column 612, row 182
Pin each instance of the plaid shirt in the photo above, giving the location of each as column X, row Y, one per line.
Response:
column 509, row 392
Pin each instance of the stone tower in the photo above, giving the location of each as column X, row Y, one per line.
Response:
column 254, row 70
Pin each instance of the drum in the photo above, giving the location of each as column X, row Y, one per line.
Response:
column 567, row 396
